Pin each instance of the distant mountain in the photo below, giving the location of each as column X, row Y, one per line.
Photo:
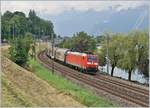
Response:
column 95, row 23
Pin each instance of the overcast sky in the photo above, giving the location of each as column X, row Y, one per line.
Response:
column 57, row 7
column 67, row 15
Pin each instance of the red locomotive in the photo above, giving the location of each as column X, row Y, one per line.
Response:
column 84, row 62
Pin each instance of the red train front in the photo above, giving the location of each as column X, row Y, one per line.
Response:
column 84, row 62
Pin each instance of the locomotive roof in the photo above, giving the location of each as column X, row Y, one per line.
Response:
column 71, row 52
column 61, row 49
column 77, row 53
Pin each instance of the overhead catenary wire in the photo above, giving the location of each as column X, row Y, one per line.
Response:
column 139, row 20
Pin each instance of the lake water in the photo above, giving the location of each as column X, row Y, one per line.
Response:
column 135, row 76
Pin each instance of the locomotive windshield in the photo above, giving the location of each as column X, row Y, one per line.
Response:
column 92, row 58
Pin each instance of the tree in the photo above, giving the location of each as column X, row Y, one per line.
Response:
column 39, row 26
column 5, row 18
column 19, row 14
column 135, row 54
column 112, row 43
column 128, row 56
column 18, row 53
column 27, row 41
column 5, row 29
column 13, row 22
column 127, row 52
column 19, row 50
column 101, row 56
column 18, row 24
column 141, row 39
column 81, row 42
column 114, row 50
column 32, row 14
column 100, row 39
column 8, row 15
column 66, row 43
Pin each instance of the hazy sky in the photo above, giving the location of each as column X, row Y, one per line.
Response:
column 57, row 7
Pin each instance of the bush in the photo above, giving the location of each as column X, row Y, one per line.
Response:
column 19, row 49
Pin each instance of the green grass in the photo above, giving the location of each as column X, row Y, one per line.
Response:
column 83, row 95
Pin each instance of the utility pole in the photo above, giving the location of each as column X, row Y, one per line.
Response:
column 39, row 37
column 52, row 40
column 33, row 48
column 140, row 20
column 13, row 31
column 10, row 30
column 107, row 36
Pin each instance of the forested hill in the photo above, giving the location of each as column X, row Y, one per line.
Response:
column 17, row 24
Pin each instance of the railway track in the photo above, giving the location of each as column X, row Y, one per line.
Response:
column 128, row 86
column 130, row 93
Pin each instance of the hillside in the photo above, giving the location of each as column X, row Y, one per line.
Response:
column 22, row 88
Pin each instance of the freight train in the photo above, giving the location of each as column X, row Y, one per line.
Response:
column 87, row 63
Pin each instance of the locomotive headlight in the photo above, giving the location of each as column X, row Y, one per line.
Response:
column 96, row 63
column 88, row 62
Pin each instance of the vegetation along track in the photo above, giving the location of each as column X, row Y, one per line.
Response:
column 133, row 94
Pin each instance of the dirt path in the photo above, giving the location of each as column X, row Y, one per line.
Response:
column 22, row 88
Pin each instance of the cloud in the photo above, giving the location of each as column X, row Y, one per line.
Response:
column 57, row 7
column 105, row 21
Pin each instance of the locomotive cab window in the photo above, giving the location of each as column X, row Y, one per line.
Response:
column 92, row 58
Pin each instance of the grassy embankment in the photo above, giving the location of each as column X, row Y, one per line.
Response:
column 79, row 93
column 23, row 88
column 12, row 96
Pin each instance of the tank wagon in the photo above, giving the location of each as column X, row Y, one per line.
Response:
column 84, row 62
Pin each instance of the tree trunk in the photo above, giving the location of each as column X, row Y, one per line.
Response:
column 129, row 76
column 112, row 70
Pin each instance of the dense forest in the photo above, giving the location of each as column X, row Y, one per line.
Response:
column 17, row 24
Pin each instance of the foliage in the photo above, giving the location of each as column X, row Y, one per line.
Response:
column 135, row 54
column 27, row 41
column 142, row 45
column 127, row 52
column 112, row 42
column 128, row 56
column 101, row 56
column 5, row 29
column 80, row 42
column 18, row 24
column 19, row 49
column 39, row 26
column 100, row 39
